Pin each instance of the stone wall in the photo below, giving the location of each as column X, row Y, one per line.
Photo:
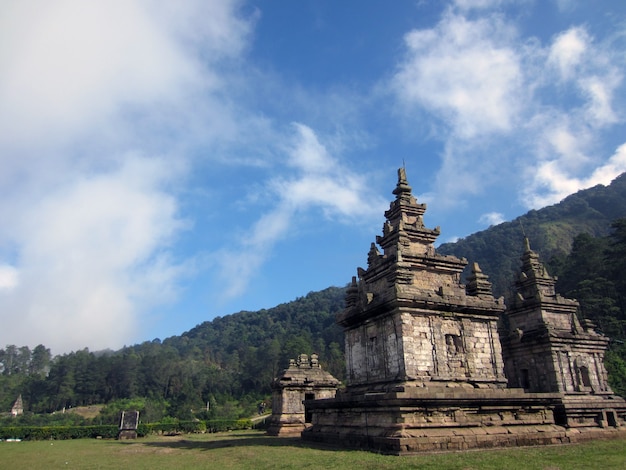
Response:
column 424, row 347
column 374, row 351
column 453, row 348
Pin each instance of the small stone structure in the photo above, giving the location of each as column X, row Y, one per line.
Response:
column 426, row 366
column 303, row 380
column 548, row 350
column 129, row 422
column 18, row 407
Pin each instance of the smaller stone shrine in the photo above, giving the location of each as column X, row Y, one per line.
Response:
column 303, row 380
column 129, row 422
column 547, row 349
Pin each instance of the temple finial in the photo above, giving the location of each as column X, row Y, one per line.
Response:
column 403, row 190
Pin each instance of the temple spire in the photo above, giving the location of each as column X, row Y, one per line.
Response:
column 531, row 265
column 404, row 229
column 403, row 190
column 478, row 283
column 534, row 283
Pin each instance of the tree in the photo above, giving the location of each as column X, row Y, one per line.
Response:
column 616, row 257
column 40, row 360
column 10, row 359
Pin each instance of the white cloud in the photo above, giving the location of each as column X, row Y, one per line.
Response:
column 76, row 72
column 566, row 138
column 467, row 5
column 567, row 50
column 465, row 72
column 491, row 218
column 600, row 91
column 560, row 138
column 565, row 5
column 577, row 60
column 70, row 64
column 508, row 107
column 9, row 277
column 308, row 154
column 98, row 98
column 552, row 184
column 615, row 166
column 319, row 183
column 89, row 255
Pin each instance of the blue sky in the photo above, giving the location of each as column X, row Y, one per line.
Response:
column 163, row 163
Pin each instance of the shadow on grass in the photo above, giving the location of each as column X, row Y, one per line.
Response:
column 238, row 440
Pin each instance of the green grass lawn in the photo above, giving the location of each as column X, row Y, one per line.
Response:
column 255, row 450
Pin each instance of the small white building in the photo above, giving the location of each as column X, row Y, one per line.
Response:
column 18, row 407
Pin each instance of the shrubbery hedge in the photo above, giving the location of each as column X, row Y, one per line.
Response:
column 37, row 433
column 221, row 425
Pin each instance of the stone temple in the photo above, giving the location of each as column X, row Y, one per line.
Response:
column 547, row 349
column 303, row 380
column 433, row 364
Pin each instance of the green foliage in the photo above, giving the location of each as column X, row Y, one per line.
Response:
column 150, row 410
column 167, row 426
column 615, row 362
column 171, row 426
column 220, row 369
column 22, row 370
column 37, row 433
column 551, row 231
column 54, row 419
column 593, row 273
column 221, row 425
column 174, row 426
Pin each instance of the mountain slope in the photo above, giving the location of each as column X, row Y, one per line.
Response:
column 550, row 230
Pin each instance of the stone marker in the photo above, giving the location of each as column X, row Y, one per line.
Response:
column 129, row 421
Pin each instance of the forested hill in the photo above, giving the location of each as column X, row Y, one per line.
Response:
column 551, row 231
column 270, row 337
column 229, row 362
